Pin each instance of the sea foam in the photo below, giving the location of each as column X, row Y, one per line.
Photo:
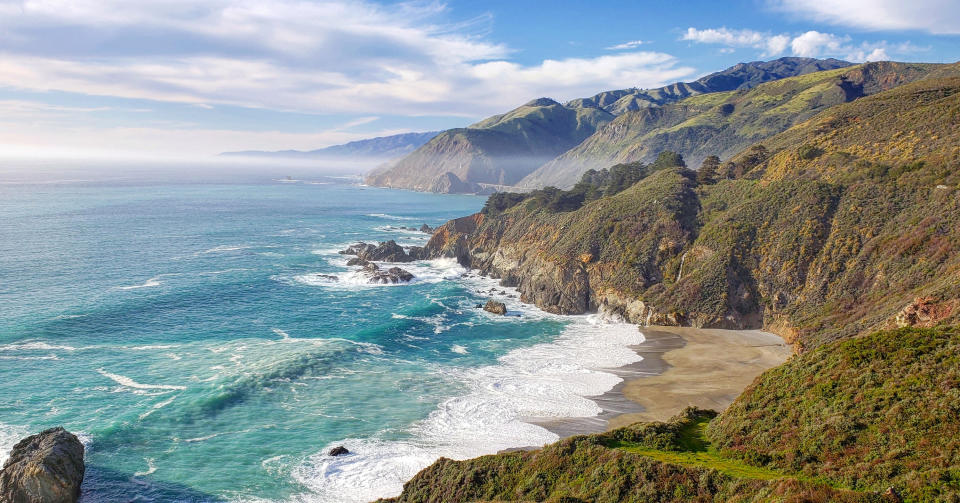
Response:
column 549, row 380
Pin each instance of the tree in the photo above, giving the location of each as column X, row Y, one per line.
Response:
column 668, row 159
column 709, row 169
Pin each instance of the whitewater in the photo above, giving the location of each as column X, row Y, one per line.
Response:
column 195, row 336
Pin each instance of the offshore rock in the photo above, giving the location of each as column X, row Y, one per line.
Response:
column 495, row 307
column 426, row 228
column 391, row 276
column 43, row 468
column 387, row 251
column 339, row 451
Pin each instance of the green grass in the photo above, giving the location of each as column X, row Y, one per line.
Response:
column 697, row 451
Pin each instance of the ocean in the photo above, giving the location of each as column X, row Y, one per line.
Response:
column 185, row 328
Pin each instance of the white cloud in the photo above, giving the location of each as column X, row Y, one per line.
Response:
column 810, row 44
column 934, row 16
column 633, row 44
column 772, row 45
column 350, row 57
column 813, row 43
column 324, row 57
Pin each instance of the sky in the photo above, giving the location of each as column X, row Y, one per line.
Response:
column 189, row 78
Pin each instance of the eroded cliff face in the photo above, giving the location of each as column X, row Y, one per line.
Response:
column 809, row 260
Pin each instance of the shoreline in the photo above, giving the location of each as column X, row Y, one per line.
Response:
column 681, row 366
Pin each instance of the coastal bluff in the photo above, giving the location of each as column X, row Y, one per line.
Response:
column 44, row 468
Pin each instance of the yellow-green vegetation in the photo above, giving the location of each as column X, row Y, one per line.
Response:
column 723, row 124
column 867, row 413
column 811, row 235
column 691, row 448
column 644, row 462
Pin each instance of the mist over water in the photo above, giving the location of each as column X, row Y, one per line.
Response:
column 182, row 326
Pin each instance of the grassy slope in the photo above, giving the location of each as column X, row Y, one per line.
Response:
column 722, row 123
column 866, row 413
column 651, row 462
column 842, row 423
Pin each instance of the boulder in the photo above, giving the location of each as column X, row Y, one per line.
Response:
column 391, row 276
column 358, row 261
column 388, row 251
column 426, row 228
column 495, row 307
column 43, row 468
column 339, row 451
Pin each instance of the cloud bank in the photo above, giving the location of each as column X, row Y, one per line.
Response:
column 810, row 44
column 324, row 57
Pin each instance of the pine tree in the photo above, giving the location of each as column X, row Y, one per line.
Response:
column 709, row 168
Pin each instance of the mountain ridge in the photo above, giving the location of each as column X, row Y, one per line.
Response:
column 386, row 147
column 542, row 129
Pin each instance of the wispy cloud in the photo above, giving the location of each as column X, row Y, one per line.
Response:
column 633, row 44
column 808, row 44
column 323, row 57
column 934, row 16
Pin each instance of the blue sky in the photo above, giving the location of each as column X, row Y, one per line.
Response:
column 185, row 78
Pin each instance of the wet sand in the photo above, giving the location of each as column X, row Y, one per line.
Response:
column 681, row 366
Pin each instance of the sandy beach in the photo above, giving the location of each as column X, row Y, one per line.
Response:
column 681, row 366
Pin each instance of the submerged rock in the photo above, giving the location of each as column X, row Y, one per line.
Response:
column 43, row 468
column 339, row 451
column 495, row 307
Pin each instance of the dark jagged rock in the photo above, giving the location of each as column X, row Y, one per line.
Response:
column 358, row 249
column 495, row 307
column 391, row 276
column 43, row 468
column 387, row 251
column 479, row 306
column 426, row 228
column 418, row 253
column 339, row 451
column 357, row 261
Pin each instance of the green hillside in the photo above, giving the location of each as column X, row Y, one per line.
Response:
column 721, row 123
column 499, row 150
column 838, row 231
column 503, row 149
column 738, row 77
column 875, row 418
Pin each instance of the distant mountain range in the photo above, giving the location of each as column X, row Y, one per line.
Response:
column 382, row 148
column 506, row 149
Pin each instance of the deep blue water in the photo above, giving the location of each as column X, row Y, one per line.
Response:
column 183, row 329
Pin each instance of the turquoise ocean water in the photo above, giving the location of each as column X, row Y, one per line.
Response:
column 184, row 330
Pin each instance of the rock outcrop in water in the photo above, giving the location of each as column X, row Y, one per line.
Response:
column 495, row 307
column 43, row 468
column 390, row 276
column 387, row 251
